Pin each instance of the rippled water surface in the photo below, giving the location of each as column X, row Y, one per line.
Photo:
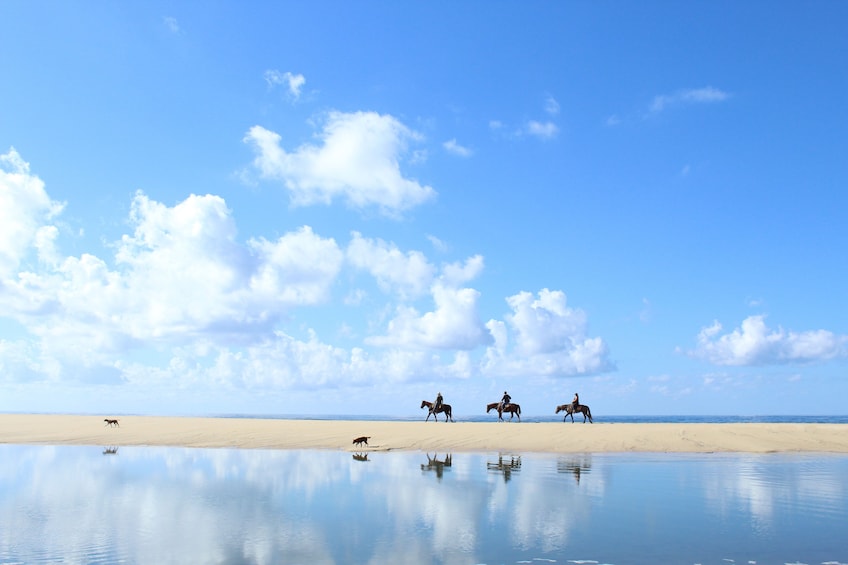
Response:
column 171, row 505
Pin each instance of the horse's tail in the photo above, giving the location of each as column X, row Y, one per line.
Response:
column 518, row 409
column 589, row 413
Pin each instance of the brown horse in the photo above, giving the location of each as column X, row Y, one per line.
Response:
column 446, row 408
column 513, row 409
column 570, row 410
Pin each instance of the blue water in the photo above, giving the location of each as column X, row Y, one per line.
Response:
column 160, row 505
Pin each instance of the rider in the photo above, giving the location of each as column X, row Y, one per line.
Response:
column 576, row 402
column 438, row 404
column 504, row 401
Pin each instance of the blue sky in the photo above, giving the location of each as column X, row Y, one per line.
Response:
column 336, row 207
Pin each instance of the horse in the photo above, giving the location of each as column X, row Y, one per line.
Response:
column 513, row 409
column 570, row 410
column 446, row 408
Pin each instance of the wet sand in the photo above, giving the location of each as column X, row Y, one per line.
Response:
column 425, row 436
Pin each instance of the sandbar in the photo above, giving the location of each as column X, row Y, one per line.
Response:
column 252, row 433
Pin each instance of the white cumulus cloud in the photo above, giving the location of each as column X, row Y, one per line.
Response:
column 358, row 161
column 25, row 212
column 549, row 339
column 754, row 343
column 453, row 324
column 409, row 274
column 178, row 276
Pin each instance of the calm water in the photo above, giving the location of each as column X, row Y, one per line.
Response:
column 75, row 504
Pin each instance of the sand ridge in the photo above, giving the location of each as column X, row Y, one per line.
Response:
column 545, row 437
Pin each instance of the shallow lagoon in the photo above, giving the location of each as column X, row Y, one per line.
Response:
column 74, row 504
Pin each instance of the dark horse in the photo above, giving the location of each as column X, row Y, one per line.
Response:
column 513, row 409
column 570, row 410
column 446, row 408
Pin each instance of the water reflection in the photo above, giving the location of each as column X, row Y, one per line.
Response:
column 505, row 465
column 436, row 465
column 169, row 505
column 576, row 465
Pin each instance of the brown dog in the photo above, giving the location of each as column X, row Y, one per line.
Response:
column 361, row 440
column 111, row 423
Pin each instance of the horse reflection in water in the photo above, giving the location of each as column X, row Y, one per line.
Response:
column 506, row 465
column 576, row 465
column 437, row 465
column 360, row 457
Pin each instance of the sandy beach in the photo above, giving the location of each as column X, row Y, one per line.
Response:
column 425, row 436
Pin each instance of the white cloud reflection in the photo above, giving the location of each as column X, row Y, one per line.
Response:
column 170, row 505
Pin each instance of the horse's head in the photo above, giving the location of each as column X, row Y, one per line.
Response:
column 423, row 403
column 559, row 409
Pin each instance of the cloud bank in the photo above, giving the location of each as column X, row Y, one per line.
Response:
column 180, row 299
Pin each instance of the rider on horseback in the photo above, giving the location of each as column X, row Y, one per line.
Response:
column 438, row 404
column 576, row 402
column 504, row 401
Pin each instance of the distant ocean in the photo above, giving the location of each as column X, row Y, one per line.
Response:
column 787, row 419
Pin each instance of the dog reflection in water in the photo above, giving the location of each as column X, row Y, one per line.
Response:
column 437, row 465
column 110, row 450
column 360, row 457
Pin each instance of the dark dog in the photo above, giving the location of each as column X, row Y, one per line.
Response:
column 361, row 440
column 111, row 423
